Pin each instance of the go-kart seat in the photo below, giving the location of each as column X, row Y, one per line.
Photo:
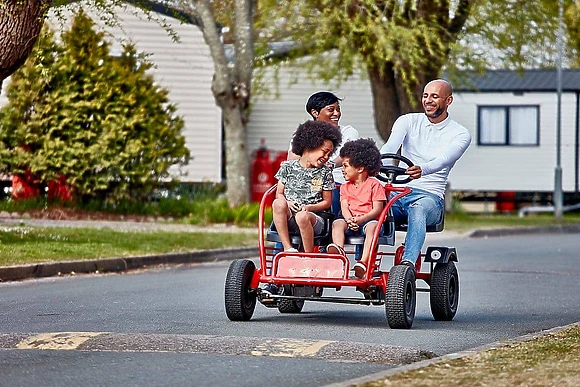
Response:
column 386, row 238
column 319, row 240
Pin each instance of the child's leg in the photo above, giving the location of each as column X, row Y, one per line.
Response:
column 280, row 214
column 338, row 229
column 305, row 221
column 369, row 231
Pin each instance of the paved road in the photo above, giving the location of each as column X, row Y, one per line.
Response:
column 168, row 326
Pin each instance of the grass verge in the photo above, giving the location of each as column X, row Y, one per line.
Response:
column 27, row 245
column 550, row 360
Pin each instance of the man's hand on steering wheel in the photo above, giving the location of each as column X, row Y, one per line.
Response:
column 414, row 172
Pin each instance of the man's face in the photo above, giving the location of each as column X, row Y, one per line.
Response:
column 329, row 113
column 435, row 101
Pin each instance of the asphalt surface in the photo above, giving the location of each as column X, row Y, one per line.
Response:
column 124, row 264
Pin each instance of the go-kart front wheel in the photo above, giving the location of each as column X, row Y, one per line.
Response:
column 240, row 300
column 444, row 294
column 400, row 299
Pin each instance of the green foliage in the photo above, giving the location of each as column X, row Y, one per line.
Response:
column 512, row 34
column 218, row 211
column 572, row 21
column 100, row 121
column 412, row 38
column 198, row 204
column 364, row 32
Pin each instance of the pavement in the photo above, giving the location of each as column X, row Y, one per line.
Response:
column 21, row 272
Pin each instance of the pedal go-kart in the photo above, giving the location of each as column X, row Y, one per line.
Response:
column 285, row 280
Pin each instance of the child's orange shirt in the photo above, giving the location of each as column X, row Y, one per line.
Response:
column 361, row 197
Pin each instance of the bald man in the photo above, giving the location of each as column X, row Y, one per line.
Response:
column 433, row 142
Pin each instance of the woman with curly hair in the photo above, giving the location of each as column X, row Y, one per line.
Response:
column 362, row 198
column 305, row 185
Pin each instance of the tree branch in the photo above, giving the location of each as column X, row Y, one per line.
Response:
column 221, row 83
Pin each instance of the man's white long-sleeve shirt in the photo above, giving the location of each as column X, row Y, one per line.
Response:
column 434, row 147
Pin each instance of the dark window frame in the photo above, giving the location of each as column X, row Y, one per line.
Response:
column 507, row 125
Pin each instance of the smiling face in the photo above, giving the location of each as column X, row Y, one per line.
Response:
column 330, row 113
column 436, row 99
column 317, row 157
column 350, row 172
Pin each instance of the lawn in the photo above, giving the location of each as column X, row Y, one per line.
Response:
column 26, row 245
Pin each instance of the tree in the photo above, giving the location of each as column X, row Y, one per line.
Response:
column 232, row 81
column 401, row 45
column 76, row 111
column 572, row 21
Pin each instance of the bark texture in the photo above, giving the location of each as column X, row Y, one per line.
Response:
column 20, row 24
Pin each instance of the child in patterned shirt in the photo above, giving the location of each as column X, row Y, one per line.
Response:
column 305, row 185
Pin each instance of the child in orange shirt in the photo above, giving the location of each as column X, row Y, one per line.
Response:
column 362, row 198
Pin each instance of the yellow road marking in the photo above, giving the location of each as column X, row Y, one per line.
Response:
column 59, row 341
column 290, row 348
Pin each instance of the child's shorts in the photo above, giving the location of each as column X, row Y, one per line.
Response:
column 362, row 228
column 318, row 225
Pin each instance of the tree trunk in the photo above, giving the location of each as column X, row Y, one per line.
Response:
column 237, row 159
column 231, row 90
column 385, row 106
column 20, row 25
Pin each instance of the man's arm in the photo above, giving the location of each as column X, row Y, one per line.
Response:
column 398, row 133
column 450, row 155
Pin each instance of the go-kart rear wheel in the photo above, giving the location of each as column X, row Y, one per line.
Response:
column 444, row 297
column 400, row 299
column 290, row 306
column 240, row 300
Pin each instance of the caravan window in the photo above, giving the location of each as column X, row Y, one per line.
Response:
column 508, row 125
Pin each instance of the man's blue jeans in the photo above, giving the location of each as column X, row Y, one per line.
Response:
column 418, row 209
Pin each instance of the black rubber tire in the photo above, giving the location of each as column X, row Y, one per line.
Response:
column 290, row 306
column 240, row 300
column 401, row 297
column 444, row 295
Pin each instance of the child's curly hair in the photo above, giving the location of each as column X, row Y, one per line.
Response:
column 363, row 153
column 312, row 134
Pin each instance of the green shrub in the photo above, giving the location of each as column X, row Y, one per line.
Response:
column 76, row 111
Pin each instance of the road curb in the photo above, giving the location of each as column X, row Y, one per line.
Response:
column 15, row 273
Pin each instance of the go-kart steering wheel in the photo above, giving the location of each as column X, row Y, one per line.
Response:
column 390, row 173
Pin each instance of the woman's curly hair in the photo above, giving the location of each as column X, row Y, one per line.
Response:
column 363, row 153
column 312, row 134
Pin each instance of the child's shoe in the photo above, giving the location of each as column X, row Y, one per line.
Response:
column 333, row 248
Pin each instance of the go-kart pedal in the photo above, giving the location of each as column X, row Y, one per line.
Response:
column 266, row 293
